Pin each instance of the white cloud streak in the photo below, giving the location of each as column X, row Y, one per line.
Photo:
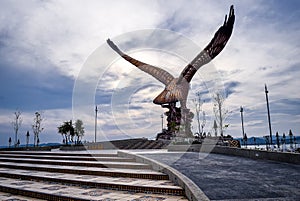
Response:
column 59, row 36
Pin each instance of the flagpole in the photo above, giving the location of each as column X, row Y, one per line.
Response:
column 96, row 111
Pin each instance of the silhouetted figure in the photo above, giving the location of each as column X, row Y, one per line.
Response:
column 9, row 142
column 27, row 138
column 277, row 140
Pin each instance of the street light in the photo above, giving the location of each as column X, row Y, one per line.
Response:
column 162, row 122
column 269, row 119
column 242, row 118
column 27, row 138
column 96, row 111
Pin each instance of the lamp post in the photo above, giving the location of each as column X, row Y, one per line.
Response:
column 162, row 122
column 269, row 119
column 242, row 118
column 198, row 109
column 96, row 111
column 27, row 138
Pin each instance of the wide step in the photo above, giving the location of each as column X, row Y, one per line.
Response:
column 112, row 172
column 45, row 176
column 101, row 164
column 56, row 191
column 128, row 184
column 46, row 153
column 11, row 197
column 70, row 158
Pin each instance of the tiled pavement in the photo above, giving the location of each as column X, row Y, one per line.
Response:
column 11, row 197
column 56, row 178
column 232, row 178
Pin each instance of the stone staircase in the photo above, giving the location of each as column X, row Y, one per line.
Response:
column 146, row 144
column 137, row 143
column 81, row 176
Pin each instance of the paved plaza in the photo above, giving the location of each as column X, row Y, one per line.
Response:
column 105, row 175
column 223, row 177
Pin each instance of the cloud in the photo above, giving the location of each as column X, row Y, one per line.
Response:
column 30, row 89
column 63, row 32
column 47, row 47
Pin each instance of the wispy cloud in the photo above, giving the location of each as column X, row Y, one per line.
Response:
column 49, row 47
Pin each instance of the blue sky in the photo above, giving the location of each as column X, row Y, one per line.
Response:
column 46, row 47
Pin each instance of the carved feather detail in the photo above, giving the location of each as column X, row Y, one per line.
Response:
column 158, row 73
column 177, row 88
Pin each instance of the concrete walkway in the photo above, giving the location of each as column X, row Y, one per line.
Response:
column 224, row 177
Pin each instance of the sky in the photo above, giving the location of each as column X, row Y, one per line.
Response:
column 54, row 59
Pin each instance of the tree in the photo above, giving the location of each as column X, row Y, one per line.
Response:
column 198, row 107
column 220, row 112
column 78, row 130
column 203, row 123
column 37, row 127
column 66, row 130
column 215, row 128
column 16, row 123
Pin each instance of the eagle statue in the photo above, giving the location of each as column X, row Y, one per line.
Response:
column 176, row 89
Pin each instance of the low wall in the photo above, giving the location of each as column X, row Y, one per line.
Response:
column 259, row 154
column 72, row 148
column 47, row 148
column 233, row 151
column 114, row 144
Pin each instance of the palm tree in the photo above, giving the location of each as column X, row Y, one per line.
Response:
column 66, row 130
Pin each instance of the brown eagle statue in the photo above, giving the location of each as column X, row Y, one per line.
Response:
column 176, row 89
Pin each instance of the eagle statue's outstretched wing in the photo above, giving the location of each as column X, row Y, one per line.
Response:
column 177, row 88
column 158, row 73
column 215, row 46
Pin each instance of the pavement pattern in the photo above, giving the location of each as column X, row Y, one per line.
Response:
column 223, row 177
